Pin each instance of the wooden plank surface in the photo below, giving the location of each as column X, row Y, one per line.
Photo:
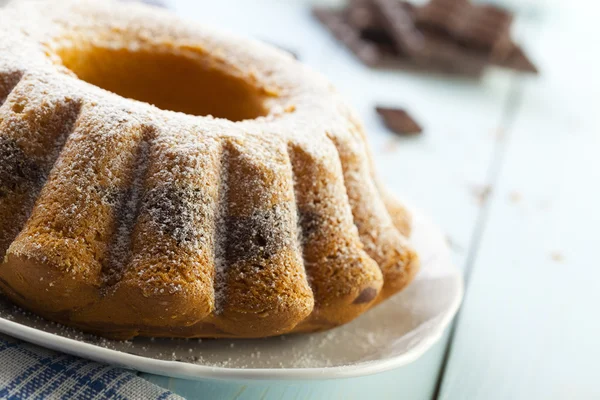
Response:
column 528, row 327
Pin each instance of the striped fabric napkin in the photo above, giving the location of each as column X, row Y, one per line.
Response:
column 31, row 372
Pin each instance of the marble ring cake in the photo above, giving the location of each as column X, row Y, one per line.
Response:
column 160, row 178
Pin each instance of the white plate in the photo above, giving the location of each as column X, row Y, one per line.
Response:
column 393, row 334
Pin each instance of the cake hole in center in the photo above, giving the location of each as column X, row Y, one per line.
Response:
column 170, row 81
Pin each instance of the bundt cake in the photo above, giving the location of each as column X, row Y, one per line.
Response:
column 159, row 178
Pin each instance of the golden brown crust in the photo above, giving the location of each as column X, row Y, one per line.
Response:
column 344, row 279
column 334, row 314
column 125, row 219
column 399, row 213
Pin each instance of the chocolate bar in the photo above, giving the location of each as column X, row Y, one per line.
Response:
column 425, row 48
column 359, row 14
column 397, row 20
column 383, row 53
column 447, row 36
column 480, row 27
column 369, row 53
column 376, row 54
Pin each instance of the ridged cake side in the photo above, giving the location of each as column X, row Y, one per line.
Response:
column 123, row 219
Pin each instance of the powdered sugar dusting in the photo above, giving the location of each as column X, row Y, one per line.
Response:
column 221, row 232
column 170, row 203
column 313, row 351
column 127, row 209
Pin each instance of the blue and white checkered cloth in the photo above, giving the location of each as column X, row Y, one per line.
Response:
column 31, row 372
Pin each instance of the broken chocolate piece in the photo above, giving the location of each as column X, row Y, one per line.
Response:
column 452, row 57
column 516, row 59
column 443, row 36
column 381, row 54
column 359, row 14
column 399, row 121
column 366, row 296
column 481, row 27
column 399, row 24
column 367, row 52
column 425, row 48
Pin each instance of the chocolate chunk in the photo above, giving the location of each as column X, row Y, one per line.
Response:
column 451, row 57
column 399, row 23
column 516, row 59
column 399, row 121
column 366, row 296
column 379, row 37
column 360, row 15
column 482, row 30
column 371, row 53
column 426, row 49
column 482, row 27
column 368, row 53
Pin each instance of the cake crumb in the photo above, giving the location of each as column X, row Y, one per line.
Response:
column 557, row 257
column 515, row 197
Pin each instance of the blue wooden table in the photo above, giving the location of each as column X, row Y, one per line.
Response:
column 509, row 166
